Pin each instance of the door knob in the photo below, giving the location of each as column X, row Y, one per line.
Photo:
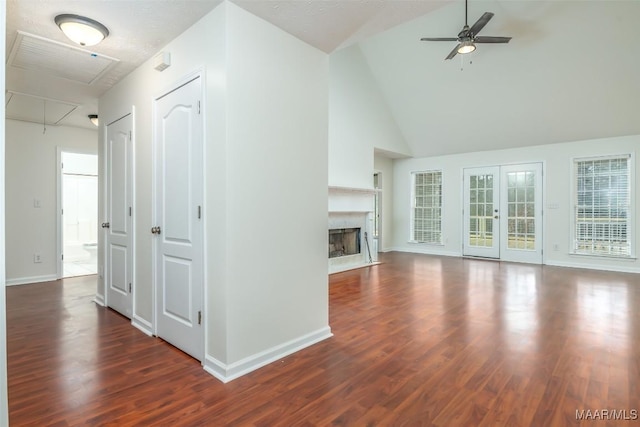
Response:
column 496, row 217
column 155, row 230
column 105, row 225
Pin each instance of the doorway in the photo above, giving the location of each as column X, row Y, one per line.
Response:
column 503, row 212
column 79, row 214
column 377, row 211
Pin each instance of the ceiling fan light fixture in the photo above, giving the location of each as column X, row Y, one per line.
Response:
column 81, row 30
column 94, row 119
column 466, row 47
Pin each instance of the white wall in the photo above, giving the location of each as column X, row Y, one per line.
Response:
column 266, row 107
column 4, row 410
column 556, row 158
column 384, row 165
column 79, row 163
column 277, row 178
column 359, row 121
column 31, row 172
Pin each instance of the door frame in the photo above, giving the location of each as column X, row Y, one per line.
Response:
column 104, row 268
column 543, row 189
column 379, row 200
column 517, row 255
column 59, row 199
column 185, row 79
column 496, row 202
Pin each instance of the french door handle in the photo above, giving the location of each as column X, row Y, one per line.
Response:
column 105, row 225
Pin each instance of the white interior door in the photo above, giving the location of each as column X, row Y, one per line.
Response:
column 118, row 225
column 481, row 213
column 521, row 223
column 179, row 231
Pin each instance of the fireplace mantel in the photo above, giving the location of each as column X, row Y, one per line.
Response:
column 337, row 189
column 349, row 199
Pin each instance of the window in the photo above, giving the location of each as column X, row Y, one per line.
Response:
column 427, row 207
column 602, row 219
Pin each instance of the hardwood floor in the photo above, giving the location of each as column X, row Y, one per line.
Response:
column 419, row 340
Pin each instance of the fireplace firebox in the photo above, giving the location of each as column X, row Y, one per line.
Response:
column 343, row 242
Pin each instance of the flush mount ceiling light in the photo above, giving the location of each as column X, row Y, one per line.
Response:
column 81, row 30
column 93, row 118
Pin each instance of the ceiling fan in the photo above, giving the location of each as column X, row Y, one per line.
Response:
column 468, row 37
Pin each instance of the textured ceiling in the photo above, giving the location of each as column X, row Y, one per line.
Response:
column 332, row 24
column 138, row 29
column 570, row 72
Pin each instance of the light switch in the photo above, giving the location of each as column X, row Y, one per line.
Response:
column 36, row 203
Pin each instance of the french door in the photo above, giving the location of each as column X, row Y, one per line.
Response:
column 503, row 212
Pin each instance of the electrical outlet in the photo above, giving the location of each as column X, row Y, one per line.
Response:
column 37, row 258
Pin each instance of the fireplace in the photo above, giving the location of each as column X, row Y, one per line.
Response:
column 349, row 226
column 343, row 242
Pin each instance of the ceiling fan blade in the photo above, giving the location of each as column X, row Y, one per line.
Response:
column 439, row 39
column 453, row 52
column 490, row 39
column 480, row 23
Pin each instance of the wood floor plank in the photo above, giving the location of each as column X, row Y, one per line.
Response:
column 418, row 340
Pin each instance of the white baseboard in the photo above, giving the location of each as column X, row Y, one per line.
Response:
column 230, row 372
column 426, row 250
column 590, row 266
column 343, row 268
column 141, row 324
column 32, row 279
column 99, row 299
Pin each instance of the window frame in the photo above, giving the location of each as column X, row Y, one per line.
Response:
column 631, row 214
column 413, row 208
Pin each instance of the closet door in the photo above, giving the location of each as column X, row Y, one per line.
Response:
column 178, row 232
column 119, row 257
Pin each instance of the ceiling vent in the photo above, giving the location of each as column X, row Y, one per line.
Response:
column 68, row 62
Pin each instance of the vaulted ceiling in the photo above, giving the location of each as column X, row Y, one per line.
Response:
column 568, row 74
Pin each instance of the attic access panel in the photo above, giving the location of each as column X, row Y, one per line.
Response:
column 34, row 109
column 32, row 52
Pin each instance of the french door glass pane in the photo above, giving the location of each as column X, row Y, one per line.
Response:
column 481, row 211
column 521, row 210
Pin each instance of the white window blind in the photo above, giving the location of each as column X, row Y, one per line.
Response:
column 427, row 207
column 602, row 206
